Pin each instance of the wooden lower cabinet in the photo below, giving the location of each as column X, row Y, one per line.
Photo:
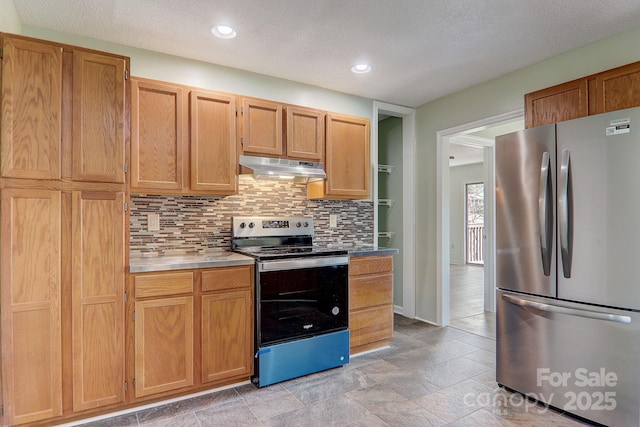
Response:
column 31, row 305
column 370, row 302
column 227, row 341
column 164, row 345
column 191, row 329
column 97, row 298
column 62, row 302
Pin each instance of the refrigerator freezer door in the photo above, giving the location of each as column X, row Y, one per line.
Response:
column 598, row 226
column 525, row 206
column 575, row 357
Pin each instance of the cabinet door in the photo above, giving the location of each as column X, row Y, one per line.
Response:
column 305, row 133
column 98, row 117
column 226, row 335
column 31, row 317
column 158, row 135
column 214, row 160
column 97, row 299
column 261, row 127
column 558, row 103
column 163, row 345
column 31, row 109
column 347, row 160
column 618, row 88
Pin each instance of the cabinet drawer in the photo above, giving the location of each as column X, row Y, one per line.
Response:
column 371, row 325
column 226, row 278
column 369, row 291
column 370, row 265
column 154, row 285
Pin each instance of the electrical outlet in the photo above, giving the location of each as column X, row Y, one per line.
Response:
column 153, row 222
column 333, row 220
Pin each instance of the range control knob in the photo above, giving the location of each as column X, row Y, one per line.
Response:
column 251, row 225
column 298, row 224
column 243, row 225
column 306, row 224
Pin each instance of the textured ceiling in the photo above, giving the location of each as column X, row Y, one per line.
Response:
column 420, row 50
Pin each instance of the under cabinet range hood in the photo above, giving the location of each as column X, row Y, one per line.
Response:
column 274, row 168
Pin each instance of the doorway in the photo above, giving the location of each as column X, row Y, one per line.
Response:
column 482, row 133
column 466, row 227
column 402, row 200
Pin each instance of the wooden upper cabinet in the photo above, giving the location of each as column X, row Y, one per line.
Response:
column 611, row 90
column 558, row 103
column 158, row 127
column 31, row 106
column 347, row 159
column 31, row 305
column 261, row 127
column 304, row 133
column 214, row 160
column 98, row 230
column 98, row 117
column 617, row 89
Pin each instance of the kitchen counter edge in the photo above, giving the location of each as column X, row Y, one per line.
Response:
column 224, row 259
column 188, row 262
column 371, row 252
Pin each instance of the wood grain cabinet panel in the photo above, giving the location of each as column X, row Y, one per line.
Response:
column 223, row 278
column 261, row 127
column 304, row 133
column 370, row 302
column 347, row 160
column 163, row 345
column 213, row 142
column 97, row 299
column 371, row 328
column 31, row 106
column 31, row 305
column 158, row 126
column 163, row 284
column 618, row 88
column 183, row 139
column 558, row 103
column 227, row 339
column 98, row 117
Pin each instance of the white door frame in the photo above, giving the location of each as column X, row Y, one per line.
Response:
column 408, row 116
column 443, row 255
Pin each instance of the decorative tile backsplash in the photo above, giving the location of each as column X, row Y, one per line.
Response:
column 199, row 224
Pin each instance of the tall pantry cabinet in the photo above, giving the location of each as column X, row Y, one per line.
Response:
column 63, row 132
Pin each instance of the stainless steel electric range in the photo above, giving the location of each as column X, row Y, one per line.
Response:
column 301, row 317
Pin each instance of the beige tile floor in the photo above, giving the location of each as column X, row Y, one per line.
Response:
column 467, row 301
column 429, row 376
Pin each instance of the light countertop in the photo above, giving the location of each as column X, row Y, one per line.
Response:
column 223, row 259
column 184, row 262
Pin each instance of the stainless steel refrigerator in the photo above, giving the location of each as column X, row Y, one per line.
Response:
column 568, row 265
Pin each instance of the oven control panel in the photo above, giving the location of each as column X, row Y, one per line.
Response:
column 245, row 226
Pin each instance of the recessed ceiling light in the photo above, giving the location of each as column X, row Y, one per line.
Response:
column 223, row 31
column 361, row 68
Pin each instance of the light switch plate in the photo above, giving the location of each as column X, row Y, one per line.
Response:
column 153, row 222
column 333, row 220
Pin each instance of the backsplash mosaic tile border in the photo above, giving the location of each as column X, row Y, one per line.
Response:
column 200, row 224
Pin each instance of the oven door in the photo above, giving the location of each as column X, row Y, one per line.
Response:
column 301, row 297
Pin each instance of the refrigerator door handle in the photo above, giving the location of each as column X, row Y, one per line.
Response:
column 565, row 213
column 565, row 310
column 545, row 213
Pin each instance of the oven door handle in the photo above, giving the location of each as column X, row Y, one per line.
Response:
column 298, row 263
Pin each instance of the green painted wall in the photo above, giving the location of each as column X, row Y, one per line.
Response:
column 489, row 99
column 9, row 21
